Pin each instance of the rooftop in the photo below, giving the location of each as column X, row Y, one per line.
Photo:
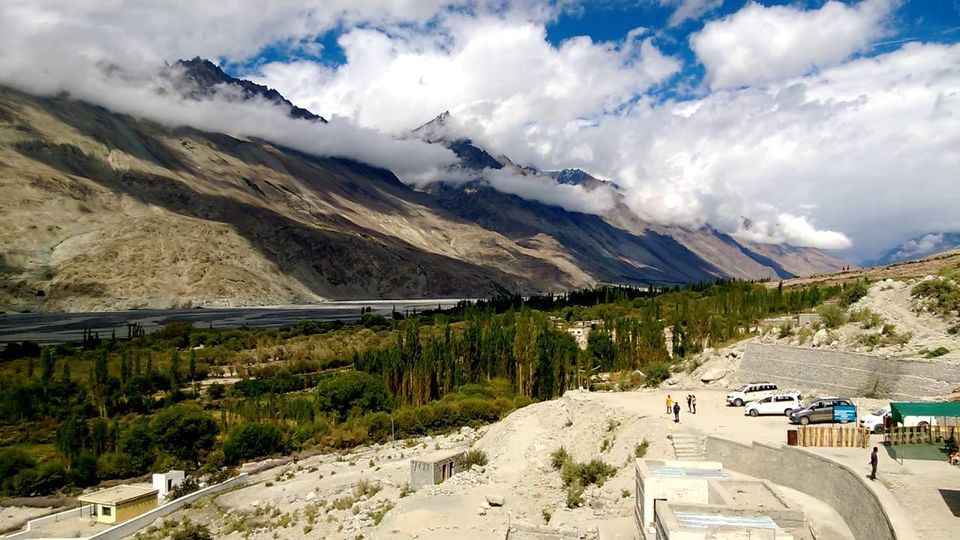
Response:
column 669, row 471
column 118, row 494
column 704, row 521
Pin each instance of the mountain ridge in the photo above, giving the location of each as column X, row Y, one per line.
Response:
column 102, row 211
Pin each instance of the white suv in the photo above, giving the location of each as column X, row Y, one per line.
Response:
column 784, row 404
column 751, row 392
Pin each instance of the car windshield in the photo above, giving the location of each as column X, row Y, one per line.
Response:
column 742, row 388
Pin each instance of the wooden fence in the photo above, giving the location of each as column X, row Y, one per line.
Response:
column 923, row 435
column 835, row 437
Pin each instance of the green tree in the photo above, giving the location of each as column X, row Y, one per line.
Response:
column 183, row 431
column 136, row 441
column 252, row 440
column 72, row 437
column 49, row 364
column 175, row 369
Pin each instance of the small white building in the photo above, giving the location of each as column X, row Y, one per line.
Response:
column 435, row 468
column 698, row 500
column 165, row 482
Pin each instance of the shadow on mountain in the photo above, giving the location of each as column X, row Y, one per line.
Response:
column 602, row 250
column 781, row 272
column 332, row 264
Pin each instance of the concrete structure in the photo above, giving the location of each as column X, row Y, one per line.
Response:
column 848, row 374
column 699, row 500
column 580, row 330
column 716, row 522
column 119, row 503
column 434, row 468
column 844, row 489
column 677, row 481
column 165, row 482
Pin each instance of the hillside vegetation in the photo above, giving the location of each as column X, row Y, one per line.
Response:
column 206, row 400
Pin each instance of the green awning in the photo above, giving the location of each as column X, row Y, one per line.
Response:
column 898, row 410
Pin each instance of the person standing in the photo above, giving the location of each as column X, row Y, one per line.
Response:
column 669, row 404
column 874, row 460
column 676, row 413
column 693, row 403
column 689, row 409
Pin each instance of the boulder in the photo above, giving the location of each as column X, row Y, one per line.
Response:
column 495, row 500
column 713, row 374
column 821, row 338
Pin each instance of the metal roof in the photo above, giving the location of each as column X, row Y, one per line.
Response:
column 924, row 408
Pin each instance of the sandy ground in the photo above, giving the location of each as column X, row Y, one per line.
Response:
column 17, row 516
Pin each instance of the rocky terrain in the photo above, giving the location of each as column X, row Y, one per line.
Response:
column 888, row 321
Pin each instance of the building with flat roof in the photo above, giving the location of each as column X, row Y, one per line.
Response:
column 164, row 483
column 698, row 500
column 435, row 468
column 119, row 503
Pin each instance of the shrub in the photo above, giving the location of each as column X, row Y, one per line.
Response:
column 853, row 292
column 867, row 319
column 784, row 331
column 344, row 392
column 558, row 457
column 215, row 391
column 252, row 440
column 574, row 494
column 474, row 457
column 640, row 449
column 657, row 373
column 12, row 461
column 183, row 431
column 939, row 351
column 83, row 473
column 943, row 295
column 833, row 315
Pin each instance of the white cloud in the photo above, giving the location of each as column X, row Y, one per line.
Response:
column 546, row 190
column 920, row 246
column 759, row 44
column 689, row 9
column 794, row 230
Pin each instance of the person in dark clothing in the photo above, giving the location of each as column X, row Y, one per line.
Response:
column 693, row 403
column 874, row 459
column 689, row 398
column 676, row 412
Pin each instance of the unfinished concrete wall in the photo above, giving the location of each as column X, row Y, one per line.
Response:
column 434, row 469
column 847, row 374
column 837, row 485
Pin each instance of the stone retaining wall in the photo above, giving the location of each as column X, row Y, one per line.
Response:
column 848, row 374
column 833, row 483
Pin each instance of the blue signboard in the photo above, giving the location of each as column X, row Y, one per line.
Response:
column 844, row 413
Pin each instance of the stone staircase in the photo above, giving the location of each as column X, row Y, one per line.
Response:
column 689, row 446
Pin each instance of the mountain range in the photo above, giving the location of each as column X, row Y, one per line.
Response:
column 101, row 211
column 918, row 248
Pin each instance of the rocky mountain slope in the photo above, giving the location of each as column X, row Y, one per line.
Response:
column 103, row 211
column 919, row 247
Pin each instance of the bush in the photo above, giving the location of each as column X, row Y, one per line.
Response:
column 252, row 440
column 833, row 315
column 83, row 472
column 215, row 391
column 183, row 431
column 558, row 457
column 943, row 295
column 934, row 353
column 640, row 449
column 575, row 494
column 12, row 461
column 657, row 373
column 853, row 292
column 867, row 319
column 115, row 465
column 474, row 457
column 351, row 390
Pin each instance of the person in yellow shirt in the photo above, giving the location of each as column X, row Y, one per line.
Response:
column 669, row 404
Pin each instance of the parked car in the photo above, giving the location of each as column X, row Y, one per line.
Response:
column 751, row 392
column 876, row 421
column 784, row 403
column 824, row 410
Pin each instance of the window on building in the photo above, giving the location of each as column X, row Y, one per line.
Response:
column 105, row 510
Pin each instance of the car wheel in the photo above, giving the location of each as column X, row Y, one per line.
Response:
column 804, row 420
column 738, row 402
column 754, row 412
column 787, row 412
